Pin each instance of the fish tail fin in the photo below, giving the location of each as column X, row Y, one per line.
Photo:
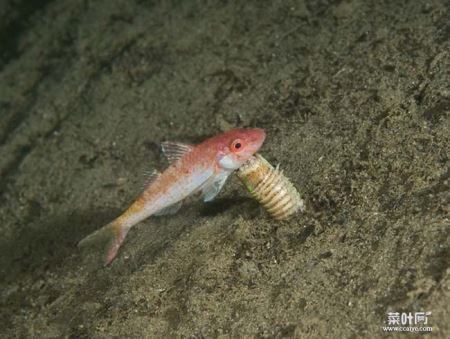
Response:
column 112, row 235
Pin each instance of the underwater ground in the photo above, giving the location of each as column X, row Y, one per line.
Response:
column 355, row 98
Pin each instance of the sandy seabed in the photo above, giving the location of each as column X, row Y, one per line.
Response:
column 355, row 98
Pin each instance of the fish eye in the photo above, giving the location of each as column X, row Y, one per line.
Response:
column 236, row 145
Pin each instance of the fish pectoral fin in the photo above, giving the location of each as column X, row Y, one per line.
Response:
column 172, row 209
column 175, row 150
column 150, row 176
column 213, row 186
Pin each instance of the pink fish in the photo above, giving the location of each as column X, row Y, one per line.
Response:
column 202, row 169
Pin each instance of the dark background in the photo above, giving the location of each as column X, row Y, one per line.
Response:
column 355, row 99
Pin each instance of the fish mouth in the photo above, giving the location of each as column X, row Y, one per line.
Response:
column 256, row 146
column 258, row 137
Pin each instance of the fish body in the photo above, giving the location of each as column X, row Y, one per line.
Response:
column 200, row 169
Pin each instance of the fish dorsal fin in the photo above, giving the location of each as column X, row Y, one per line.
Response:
column 213, row 186
column 175, row 150
column 150, row 176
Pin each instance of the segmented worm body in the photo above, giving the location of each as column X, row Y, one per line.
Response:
column 271, row 188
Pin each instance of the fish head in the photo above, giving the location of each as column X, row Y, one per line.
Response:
column 238, row 145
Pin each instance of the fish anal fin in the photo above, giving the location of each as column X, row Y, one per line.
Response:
column 172, row 209
column 175, row 150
